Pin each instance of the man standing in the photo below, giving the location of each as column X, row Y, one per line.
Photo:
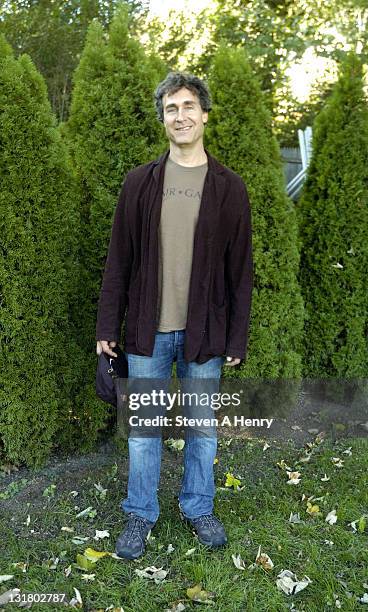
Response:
column 180, row 265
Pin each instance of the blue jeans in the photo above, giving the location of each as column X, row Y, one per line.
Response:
column 198, row 488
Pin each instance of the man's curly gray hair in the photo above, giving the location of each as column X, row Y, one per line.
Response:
column 175, row 81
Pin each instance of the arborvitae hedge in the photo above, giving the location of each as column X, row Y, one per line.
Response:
column 239, row 134
column 112, row 128
column 38, row 226
column 334, row 232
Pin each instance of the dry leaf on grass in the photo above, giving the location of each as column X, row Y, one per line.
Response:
column 177, row 445
column 199, row 595
column 153, row 573
column 294, row 477
column 190, row 551
column 331, row 518
column 238, row 562
column 288, row 583
column 6, row 577
column 79, row 540
column 312, row 509
column 76, row 602
column 86, row 512
column 100, row 535
column 21, row 565
column 88, row 577
column 295, row 518
column 8, row 596
column 264, row 560
column 176, row 607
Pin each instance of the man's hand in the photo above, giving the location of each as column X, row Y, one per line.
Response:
column 105, row 346
column 232, row 361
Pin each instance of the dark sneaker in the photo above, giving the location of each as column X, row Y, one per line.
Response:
column 132, row 541
column 210, row 530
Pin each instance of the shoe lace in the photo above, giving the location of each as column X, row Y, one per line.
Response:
column 207, row 520
column 135, row 526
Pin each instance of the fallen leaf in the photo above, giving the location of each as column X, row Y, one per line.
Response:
column 153, row 573
column 176, row 607
column 68, row 529
column 231, row 481
column 312, row 509
column 95, row 555
column 288, row 583
column 84, row 563
column 88, row 577
column 85, row 512
column 170, row 549
column 331, row 518
column 199, row 595
column 76, row 602
column 281, row 464
column 364, row 599
column 100, row 535
column 68, row 571
column 325, row 478
column 52, row 563
column 348, row 452
column 294, row 477
column 263, row 560
column 177, row 445
column 190, row 552
column 215, row 460
column 295, row 518
column 8, row 596
column 102, row 492
column 79, row 540
column 266, row 446
column 6, row 577
column 238, row 562
column 337, row 462
column 21, row 565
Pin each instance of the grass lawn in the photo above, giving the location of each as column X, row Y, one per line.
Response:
column 35, row 506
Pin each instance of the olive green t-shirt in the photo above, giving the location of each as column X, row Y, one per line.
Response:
column 181, row 198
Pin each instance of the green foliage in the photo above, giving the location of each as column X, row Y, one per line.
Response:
column 112, row 128
column 5, row 49
column 240, row 136
column 38, row 225
column 53, row 34
column 334, row 233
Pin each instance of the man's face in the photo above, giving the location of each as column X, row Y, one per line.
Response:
column 183, row 117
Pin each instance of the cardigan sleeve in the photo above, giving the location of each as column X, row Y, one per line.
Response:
column 239, row 272
column 115, row 283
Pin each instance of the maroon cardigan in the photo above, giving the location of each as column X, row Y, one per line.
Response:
column 222, row 271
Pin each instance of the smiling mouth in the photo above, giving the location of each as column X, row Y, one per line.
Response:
column 183, row 129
